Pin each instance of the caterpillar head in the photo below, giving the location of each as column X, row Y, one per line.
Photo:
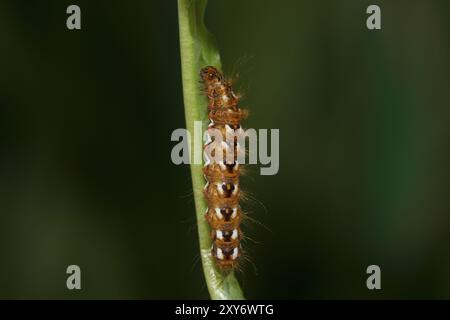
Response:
column 210, row 75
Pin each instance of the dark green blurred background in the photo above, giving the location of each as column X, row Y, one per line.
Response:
column 85, row 171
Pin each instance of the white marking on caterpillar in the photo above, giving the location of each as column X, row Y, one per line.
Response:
column 219, row 187
column 219, row 254
column 206, row 159
column 235, row 253
column 236, row 187
column 208, row 139
column 218, row 213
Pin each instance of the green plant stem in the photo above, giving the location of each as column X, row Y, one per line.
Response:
column 197, row 51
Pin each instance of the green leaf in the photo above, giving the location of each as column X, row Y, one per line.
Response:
column 198, row 49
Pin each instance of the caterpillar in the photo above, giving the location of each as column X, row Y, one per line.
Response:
column 222, row 191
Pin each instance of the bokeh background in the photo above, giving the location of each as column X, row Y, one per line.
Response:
column 85, row 171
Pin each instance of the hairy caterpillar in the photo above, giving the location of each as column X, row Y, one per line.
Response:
column 222, row 190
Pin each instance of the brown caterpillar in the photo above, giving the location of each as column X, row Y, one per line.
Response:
column 222, row 190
